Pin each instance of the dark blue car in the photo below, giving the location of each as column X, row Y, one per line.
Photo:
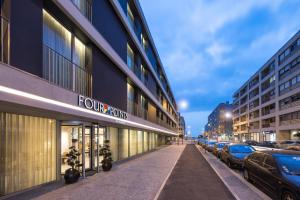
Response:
column 233, row 154
column 277, row 172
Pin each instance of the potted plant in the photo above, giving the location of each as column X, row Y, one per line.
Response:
column 106, row 153
column 72, row 174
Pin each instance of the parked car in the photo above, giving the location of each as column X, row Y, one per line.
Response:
column 233, row 154
column 218, row 148
column 294, row 148
column 277, row 172
column 210, row 145
column 251, row 142
column 286, row 143
column 268, row 144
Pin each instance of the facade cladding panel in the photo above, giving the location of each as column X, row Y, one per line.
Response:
column 60, row 89
column 26, row 35
column 107, row 23
column 109, row 83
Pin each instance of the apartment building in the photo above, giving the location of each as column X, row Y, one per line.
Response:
column 182, row 126
column 219, row 122
column 266, row 107
column 74, row 73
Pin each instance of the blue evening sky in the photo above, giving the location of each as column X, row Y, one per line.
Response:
column 209, row 48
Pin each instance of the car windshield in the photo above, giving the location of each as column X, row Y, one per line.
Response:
column 221, row 145
column 241, row 149
column 290, row 164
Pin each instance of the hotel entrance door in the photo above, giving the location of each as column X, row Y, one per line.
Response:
column 88, row 144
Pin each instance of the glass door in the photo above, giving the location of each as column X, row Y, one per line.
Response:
column 70, row 136
column 97, row 143
column 87, row 147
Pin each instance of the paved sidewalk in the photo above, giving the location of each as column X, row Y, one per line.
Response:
column 138, row 179
column 193, row 178
column 238, row 186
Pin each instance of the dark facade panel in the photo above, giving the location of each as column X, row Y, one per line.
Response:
column 109, row 83
column 108, row 24
column 26, row 35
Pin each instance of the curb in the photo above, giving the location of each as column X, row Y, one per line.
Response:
column 250, row 186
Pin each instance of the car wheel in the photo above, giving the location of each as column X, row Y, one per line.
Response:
column 246, row 175
column 287, row 195
column 229, row 164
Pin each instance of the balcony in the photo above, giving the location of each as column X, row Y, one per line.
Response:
column 4, row 33
column 85, row 7
column 61, row 71
column 136, row 110
column 289, row 122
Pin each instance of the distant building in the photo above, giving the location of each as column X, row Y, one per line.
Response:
column 182, row 127
column 219, row 123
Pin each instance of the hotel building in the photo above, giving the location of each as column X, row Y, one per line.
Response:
column 267, row 106
column 73, row 73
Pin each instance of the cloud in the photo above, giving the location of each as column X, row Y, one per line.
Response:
column 211, row 47
column 217, row 52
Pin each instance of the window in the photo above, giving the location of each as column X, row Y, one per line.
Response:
column 85, row 8
column 61, row 62
column 256, row 158
column 270, row 162
column 29, row 152
column 144, row 41
column 294, row 81
column 272, row 79
column 130, row 16
column 130, row 99
column 144, row 75
column 286, row 84
column 287, row 52
column 130, row 58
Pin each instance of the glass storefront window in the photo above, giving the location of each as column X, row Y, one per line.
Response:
column 123, row 143
column 146, row 141
column 133, row 142
column 140, row 142
column 114, row 142
column 27, row 152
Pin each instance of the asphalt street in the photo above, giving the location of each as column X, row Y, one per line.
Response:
column 193, row 178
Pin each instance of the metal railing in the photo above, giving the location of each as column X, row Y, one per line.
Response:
column 60, row 71
column 4, row 42
column 85, row 7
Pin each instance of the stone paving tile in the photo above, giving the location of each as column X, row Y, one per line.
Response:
column 138, row 179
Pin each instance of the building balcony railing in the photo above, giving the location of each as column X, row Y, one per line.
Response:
column 289, row 105
column 60, row 71
column 268, row 125
column 85, row 7
column 4, row 45
column 289, row 122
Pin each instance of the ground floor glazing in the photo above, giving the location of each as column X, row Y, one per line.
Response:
column 33, row 150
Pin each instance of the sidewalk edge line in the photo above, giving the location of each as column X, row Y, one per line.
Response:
column 167, row 177
column 224, row 182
